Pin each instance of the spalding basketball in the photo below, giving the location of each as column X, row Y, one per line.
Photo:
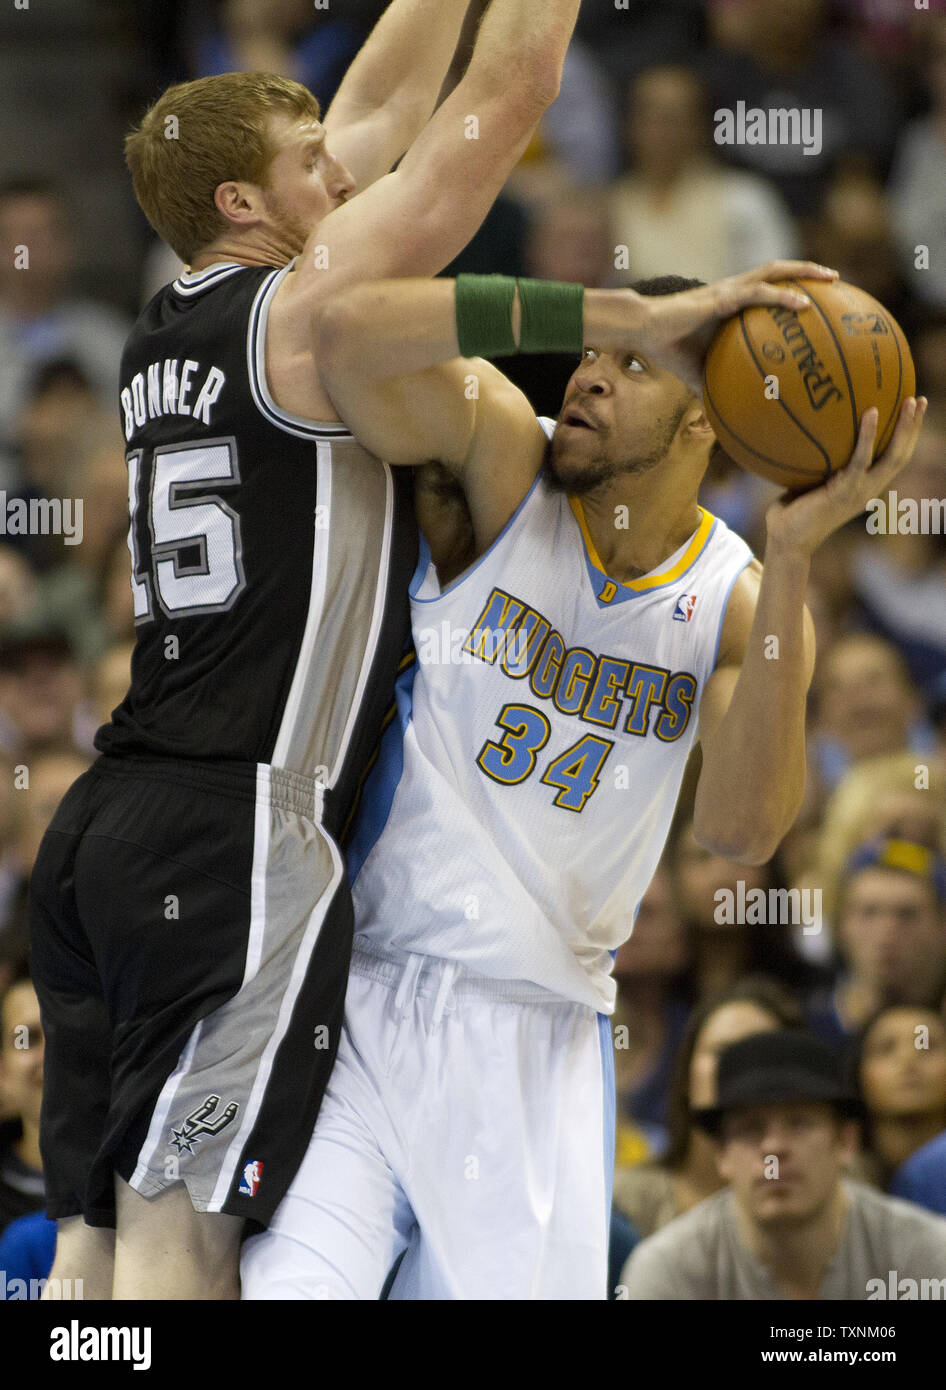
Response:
column 785, row 391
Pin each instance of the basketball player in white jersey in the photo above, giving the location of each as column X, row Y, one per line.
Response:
column 268, row 545
column 601, row 623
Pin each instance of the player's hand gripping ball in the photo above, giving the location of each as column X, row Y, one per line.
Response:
column 785, row 391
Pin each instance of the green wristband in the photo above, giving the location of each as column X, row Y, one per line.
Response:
column 484, row 315
column 552, row 316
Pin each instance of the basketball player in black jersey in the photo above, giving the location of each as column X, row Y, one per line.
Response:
column 191, row 922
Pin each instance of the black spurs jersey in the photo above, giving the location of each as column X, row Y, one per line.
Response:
column 271, row 556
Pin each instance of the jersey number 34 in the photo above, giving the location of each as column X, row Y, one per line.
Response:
column 511, row 759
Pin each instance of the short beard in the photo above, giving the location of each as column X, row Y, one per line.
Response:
column 600, row 469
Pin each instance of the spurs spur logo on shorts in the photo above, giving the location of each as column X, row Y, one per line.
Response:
column 199, row 1122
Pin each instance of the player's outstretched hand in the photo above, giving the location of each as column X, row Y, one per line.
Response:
column 679, row 328
column 802, row 521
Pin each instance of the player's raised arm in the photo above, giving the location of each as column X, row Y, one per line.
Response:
column 415, row 220
column 388, row 94
column 752, row 712
column 391, row 359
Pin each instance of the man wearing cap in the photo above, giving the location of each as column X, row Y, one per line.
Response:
column 891, row 935
column 789, row 1226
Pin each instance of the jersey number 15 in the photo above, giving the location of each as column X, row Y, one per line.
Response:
column 196, row 561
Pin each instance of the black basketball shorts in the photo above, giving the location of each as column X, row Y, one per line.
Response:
column 191, row 933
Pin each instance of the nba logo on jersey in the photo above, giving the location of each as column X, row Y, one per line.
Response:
column 684, row 609
column 252, row 1174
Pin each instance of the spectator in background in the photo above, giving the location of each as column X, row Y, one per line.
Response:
column 40, row 319
column 791, row 61
column 854, row 230
column 41, row 690
column 898, row 575
column 72, row 583
column 567, row 237
column 918, row 178
column 899, row 1064
column 640, row 34
column 891, row 937
column 14, row 935
column 51, row 774
column 865, row 705
column 654, row 1193
column 928, row 341
column 111, row 679
column 114, row 597
column 21, row 1083
column 27, row 1251
column 790, row 1225
column 18, row 591
column 724, row 949
column 35, row 790
column 31, row 793
column 680, row 206
column 898, row 796
column 287, row 37
column 650, row 1016
column 60, row 405
column 579, row 130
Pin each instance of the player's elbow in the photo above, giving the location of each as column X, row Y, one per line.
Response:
column 542, row 80
column 749, row 843
column 516, row 107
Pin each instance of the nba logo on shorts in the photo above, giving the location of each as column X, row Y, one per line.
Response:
column 684, row 609
column 252, row 1175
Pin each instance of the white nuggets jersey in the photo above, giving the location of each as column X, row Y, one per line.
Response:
column 523, row 797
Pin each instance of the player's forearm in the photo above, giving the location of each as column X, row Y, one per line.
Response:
column 522, row 42
column 753, row 776
column 390, row 328
column 403, row 63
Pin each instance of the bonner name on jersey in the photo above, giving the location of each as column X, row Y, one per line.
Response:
column 165, row 390
column 595, row 688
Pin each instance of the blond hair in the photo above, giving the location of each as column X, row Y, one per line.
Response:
column 854, row 812
column 198, row 135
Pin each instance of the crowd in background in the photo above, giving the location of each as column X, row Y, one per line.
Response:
column 624, row 180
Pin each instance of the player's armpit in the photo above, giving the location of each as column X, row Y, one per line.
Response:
column 464, row 414
column 409, row 419
column 444, row 518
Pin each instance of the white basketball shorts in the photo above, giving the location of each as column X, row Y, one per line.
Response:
column 468, row 1122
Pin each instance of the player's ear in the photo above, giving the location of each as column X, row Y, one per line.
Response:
column 237, row 202
column 695, row 425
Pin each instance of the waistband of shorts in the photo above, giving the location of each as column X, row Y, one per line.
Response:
column 389, row 967
column 255, row 782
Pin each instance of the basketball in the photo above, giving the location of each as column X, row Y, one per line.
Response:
column 785, row 391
